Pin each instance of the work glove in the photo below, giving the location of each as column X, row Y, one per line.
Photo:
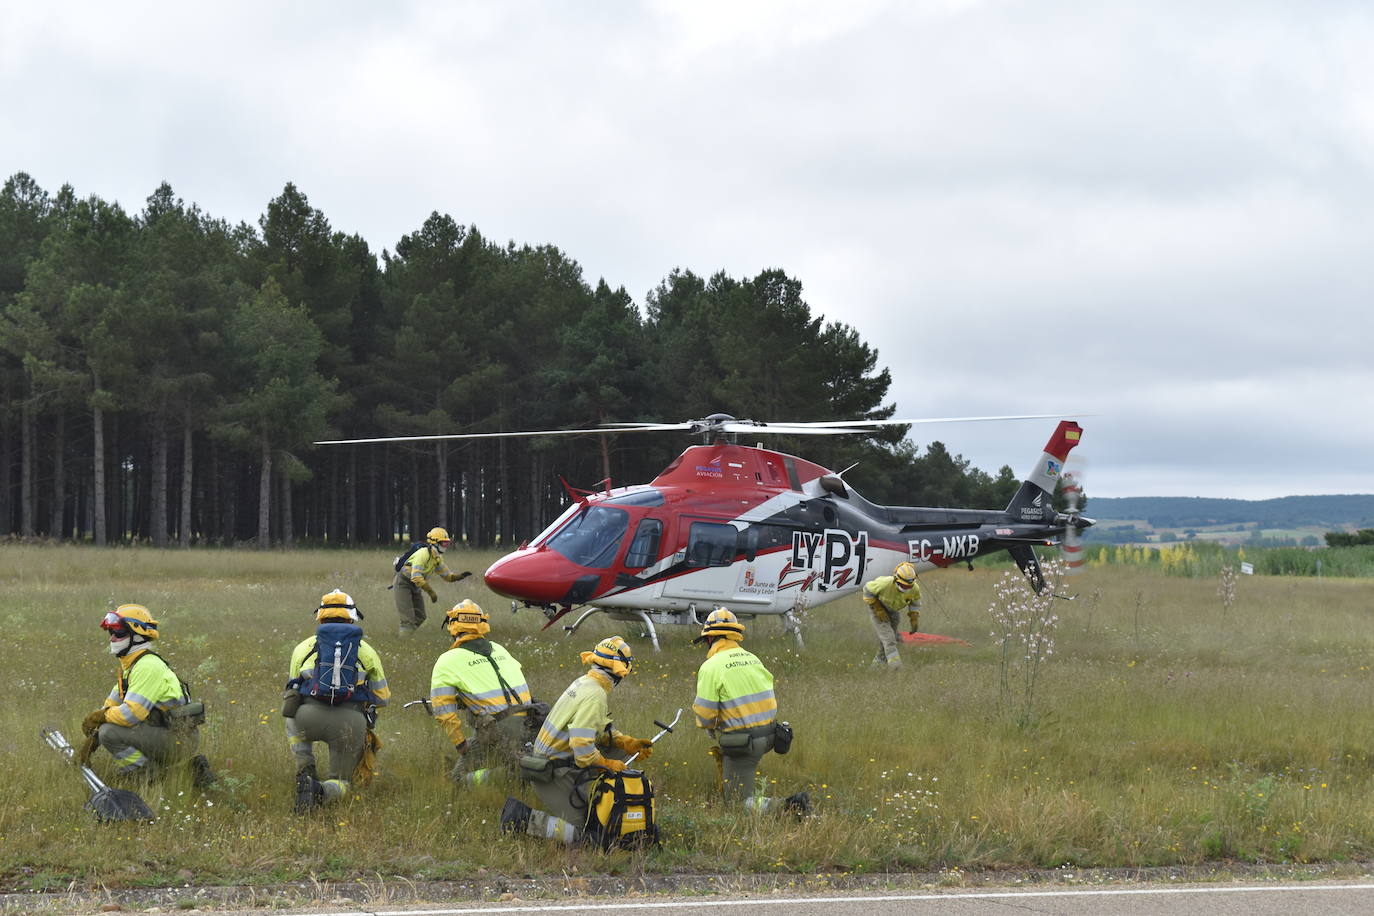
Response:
column 88, row 749
column 91, row 724
column 879, row 612
column 462, row 747
column 429, row 590
column 915, row 618
column 451, row 577
column 641, row 746
column 615, row 766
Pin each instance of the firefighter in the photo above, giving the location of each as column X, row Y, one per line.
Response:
column 336, row 682
column 576, row 739
column 736, row 705
column 412, row 577
column 481, row 677
column 149, row 720
column 887, row 597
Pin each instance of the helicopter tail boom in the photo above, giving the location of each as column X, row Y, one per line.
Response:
column 1033, row 502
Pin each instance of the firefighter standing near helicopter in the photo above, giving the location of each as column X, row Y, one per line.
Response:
column 149, row 719
column 412, row 577
column 736, row 705
column 482, row 678
column 576, row 741
column 887, row 597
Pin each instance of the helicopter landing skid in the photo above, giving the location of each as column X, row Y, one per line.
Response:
column 636, row 615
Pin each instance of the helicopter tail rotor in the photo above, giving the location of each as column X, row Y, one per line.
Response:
column 1074, row 520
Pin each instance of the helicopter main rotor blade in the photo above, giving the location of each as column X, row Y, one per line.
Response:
column 861, row 425
column 533, row 432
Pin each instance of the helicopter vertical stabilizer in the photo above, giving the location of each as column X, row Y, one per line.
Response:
column 1033, row 502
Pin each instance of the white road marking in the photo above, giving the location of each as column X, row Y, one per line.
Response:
column 894, row 898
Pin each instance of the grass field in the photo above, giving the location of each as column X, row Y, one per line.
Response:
column 1168, row 731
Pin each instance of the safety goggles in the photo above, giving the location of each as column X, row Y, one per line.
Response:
column 114, row 623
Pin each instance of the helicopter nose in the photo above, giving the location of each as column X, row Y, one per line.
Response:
column 535, row 576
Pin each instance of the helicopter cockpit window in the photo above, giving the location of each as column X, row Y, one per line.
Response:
column 710, row 544
column 644, row 548
column 592, row 538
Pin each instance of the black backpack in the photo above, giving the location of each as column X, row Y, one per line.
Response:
column 401, row 560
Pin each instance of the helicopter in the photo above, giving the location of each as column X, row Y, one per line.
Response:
column 762, row 532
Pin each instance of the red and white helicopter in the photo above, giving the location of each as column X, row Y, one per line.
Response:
column 762, row 532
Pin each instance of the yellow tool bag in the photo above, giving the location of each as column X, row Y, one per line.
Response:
column 620, row 811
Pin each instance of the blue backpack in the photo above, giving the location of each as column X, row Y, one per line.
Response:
column 335, row 676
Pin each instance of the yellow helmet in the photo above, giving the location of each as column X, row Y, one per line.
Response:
column 467, row 617
column 905, row 574
column 721, row 622
column 132, row 617
column 438, row 537
column 613, row 654
column 338, row 605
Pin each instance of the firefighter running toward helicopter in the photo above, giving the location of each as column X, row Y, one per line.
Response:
column 887, row 597
column 413, row 574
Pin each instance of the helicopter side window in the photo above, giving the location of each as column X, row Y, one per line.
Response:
column 710, row 544
column 592, row 538
column 644, row 548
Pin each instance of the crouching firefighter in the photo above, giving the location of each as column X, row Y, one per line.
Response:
column 336, row 683
column 736, row 705
column 481, row 678
column 575, row 744
column 414, row 569
column 887, row 597
column 149, row 720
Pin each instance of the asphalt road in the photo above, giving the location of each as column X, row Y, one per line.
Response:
column 1327, row 898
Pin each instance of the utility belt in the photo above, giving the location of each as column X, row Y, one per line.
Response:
column 748, row 742
column 348, row 704
column 186, row 716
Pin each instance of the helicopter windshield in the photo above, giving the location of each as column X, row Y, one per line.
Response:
column 592, row 538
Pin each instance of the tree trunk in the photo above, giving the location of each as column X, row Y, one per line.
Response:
column 159, row 481
column 26, row 454
column 416, row 522
column 98, row 469
column 57, row 528
column 441, row 485
column 184, row 528
column 288, row 534
column 265, row 496
column 351, row 529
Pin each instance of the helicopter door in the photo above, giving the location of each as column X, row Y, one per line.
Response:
column 709, row 554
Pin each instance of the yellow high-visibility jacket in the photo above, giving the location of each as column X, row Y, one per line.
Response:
column 579, row 724
column 142, row 688
column 885, row 592
column 369, row 668
column 423, row 563
column 462, row 675
column 734, row 689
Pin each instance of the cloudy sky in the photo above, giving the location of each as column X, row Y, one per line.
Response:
column 1160, row 214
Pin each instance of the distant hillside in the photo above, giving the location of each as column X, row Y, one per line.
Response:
column 1196, row 512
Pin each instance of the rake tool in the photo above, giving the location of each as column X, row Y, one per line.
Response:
column 666, row 726
column 107, row 803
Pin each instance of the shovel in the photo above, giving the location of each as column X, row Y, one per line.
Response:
column 107, row 803
column 666, row 726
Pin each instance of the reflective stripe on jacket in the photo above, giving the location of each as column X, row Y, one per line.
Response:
column 150, row 685
column 369, row 668
column 423, row 563
column 884, row 590
column 734, row 689
column 464, row 676
column 578, row 722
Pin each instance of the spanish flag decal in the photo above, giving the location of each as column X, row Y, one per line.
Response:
column 1072, row 434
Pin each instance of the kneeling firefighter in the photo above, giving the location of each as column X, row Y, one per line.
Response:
column 149, row 719
column 336, row 684
column 576, row 742
column 736, row 705
column 482, row 678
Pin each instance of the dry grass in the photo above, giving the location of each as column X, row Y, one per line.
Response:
column 1168, row 731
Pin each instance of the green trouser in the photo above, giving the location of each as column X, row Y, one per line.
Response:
column 493, row 747
column 740, row 759
column 342, row 728
column 137, row 747
column 410, row 604
column 888, row 639
column 562, row 814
